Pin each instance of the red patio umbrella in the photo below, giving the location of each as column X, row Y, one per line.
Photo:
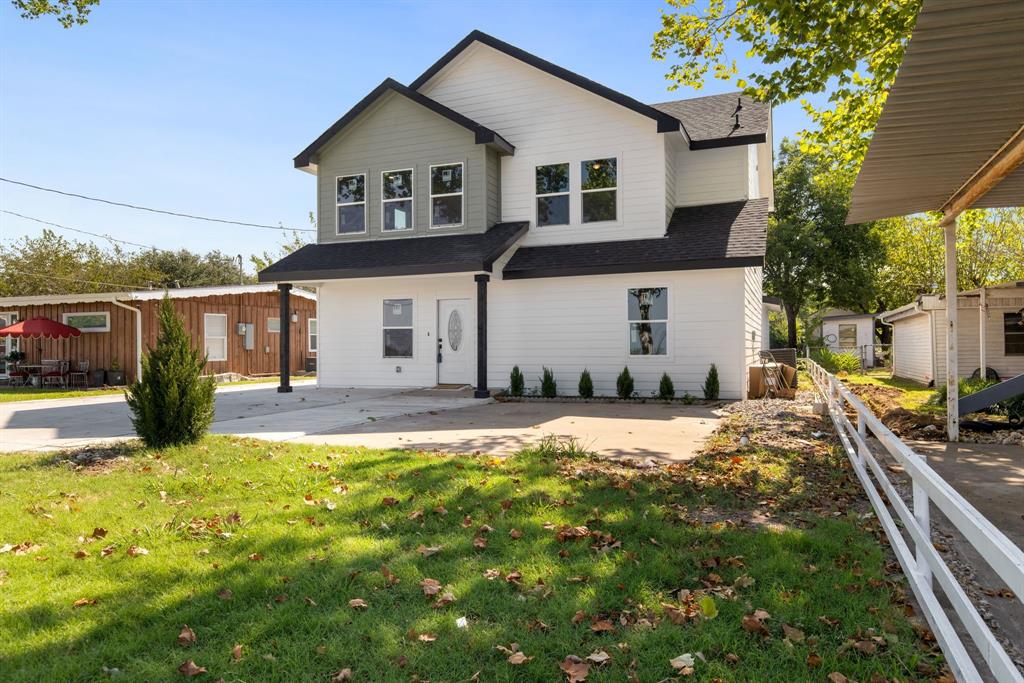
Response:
column 40, row 328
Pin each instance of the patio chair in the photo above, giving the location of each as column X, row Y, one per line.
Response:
column 58, row 376
column 80, row 377
column 17, row 377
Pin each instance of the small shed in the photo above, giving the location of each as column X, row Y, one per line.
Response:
column 847, row 331
column 990, row 334
column 238, row 327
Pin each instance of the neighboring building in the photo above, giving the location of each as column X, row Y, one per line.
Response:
column 110, row 323
column 919, row 334
column 501, row 211
column 846, row 331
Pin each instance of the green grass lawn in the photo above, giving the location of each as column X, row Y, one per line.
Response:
column 12, row 394
column 914, row 396
column 260, row 548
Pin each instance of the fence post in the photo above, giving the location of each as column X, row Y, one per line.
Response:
column 923, row 521
column 862, row 432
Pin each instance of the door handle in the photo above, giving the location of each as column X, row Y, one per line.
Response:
column 440, row 345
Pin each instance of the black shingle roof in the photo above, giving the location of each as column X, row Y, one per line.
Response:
column 710, row 121
column 725, row 235
column 399, row 256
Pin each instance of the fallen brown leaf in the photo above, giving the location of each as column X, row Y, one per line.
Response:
column 837, row 677
column 389, row 501
column 515, row 533
column 83, row 602
column 340, row 676
column 599, row 657
column 357, row 603
column 444, row 599
column 427, row 551
column 187, row 636
column 190, row 668
column 430, row 586
column 601, row 626
column 792, row 634
column 813, row 660
column 576, row 670
column 236, row 653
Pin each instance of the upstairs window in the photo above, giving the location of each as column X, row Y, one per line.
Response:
column 397, row 328
column 647, row 319
column 1013, row 333
column 446, row 196
column 396, row 193
column 552, row 183
column 599, row 185
column 351, row 204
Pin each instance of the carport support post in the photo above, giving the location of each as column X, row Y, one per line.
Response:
column 285, row 335
column 952, row 387
column 481, row 336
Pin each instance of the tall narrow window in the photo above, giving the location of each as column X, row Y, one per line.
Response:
column 446, row 196
column 351, row 204
column 398, row 328
column 313, row 333
column 1013, row 333
column 647, row 311
column 552, row 183
column 215, row 336
column 396, row 193
column 599, row 185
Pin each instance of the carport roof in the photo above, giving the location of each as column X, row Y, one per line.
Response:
column 957, row 100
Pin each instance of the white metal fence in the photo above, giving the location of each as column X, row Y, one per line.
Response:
column 924, row 566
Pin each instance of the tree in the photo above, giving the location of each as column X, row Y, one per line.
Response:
column 171, row 403
column 293, row 243
column 848, row 48
column 184, row 268
column 812, row 257
column 68, row 12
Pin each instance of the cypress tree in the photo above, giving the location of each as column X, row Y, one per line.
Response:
column 171, row 403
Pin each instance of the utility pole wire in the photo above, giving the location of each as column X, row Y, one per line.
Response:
column 75, row 279
column 151, row 210
column 84, row 232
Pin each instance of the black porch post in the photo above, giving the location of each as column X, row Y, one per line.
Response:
column 285, row 291
column 481, row 336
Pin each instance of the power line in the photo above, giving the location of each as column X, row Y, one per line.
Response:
column 75, row 279
column 84, row 232
column 146, row 208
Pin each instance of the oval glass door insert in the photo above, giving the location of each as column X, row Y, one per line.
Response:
column 455, row 330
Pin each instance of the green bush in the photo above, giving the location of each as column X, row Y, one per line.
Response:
column 624, row 383
column 711, row 386
column 516, row 382
column 548, row 386
column 171, row 403
column 836, row 362
column 666, row 390
column 1011, row 407
column 586, row 385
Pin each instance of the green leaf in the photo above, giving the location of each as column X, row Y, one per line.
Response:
column 708, row 607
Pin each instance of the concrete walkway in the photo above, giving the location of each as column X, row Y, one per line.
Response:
column 250, row 410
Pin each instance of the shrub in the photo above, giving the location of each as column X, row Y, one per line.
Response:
column 516, row 382
column 548, row 386
column 711, row 387
column 687, row 398
column 836, row 362
column 171, row 403
column 586, row 386
column 1012, row 407
column 624, row 383
column 666, row 390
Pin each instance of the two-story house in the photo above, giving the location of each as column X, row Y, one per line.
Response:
column 501, row 210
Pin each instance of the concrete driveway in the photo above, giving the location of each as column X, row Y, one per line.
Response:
column 382, row 418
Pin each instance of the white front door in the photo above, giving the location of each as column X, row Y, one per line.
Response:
column 454, row 341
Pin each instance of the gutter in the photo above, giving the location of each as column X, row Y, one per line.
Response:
column 138, row 336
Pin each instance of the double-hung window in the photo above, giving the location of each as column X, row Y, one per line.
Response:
column 397, row 323
column 397, row 199
column 351, row 204
column 1013, row 333
column 647, row 313
column 446, row 196
column 215, row 336
column 313, row 333
column 599, row 186
column 552, row 188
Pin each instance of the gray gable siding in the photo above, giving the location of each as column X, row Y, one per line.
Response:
column 396, row 133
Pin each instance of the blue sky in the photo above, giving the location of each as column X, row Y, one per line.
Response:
column 199, row 107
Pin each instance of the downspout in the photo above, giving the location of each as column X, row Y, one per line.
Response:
column 138, row 336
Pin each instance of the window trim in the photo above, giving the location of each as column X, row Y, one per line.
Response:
column 461, row 194
column 839, row 335
column 338, row 205
column 537, row 196
column 616, row 189
column 89, row 330
column 667, row 320
column 278, row 319
column 310, row 334
column 1006, row 351
column 412, row 301
column 207, row 336
column 411, row 199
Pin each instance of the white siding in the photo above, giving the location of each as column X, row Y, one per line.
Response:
column 753, row 312
column 865, row 332
column 351, row 340
column 912, row 348
column 572, row 323
column 551, row 121
column 969, row 346
column 711, row 176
